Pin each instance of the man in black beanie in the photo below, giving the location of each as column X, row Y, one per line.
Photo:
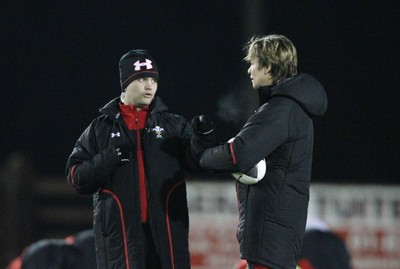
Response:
column 133, row 158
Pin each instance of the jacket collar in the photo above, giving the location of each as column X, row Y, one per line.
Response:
column 264, row 94
column 112, row 107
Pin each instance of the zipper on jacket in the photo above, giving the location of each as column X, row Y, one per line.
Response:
column 142, row 175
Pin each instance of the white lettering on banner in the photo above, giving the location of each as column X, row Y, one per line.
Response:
column 368, row 241
column 363, row 241
column 391, row 242
column 356, row 203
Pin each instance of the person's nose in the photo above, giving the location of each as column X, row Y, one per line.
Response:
column 248, row 70
column 149, row 85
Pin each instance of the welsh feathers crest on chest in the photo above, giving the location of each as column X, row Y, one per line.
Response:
column 158, row 131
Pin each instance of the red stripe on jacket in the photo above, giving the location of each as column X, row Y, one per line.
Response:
column 121, row 214
column 171, row 247
column 232, row 152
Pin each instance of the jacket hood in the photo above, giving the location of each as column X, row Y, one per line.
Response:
column 304, row 89
column 112, row 108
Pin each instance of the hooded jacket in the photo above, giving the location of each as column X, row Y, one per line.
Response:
column 273, row 212
column 169, row 146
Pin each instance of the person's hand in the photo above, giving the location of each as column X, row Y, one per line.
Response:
column 202, row 125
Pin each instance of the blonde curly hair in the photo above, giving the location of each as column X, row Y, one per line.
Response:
column 276, row 51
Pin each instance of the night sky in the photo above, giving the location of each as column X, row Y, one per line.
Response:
column 59, row 64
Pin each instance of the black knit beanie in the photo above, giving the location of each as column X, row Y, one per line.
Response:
column 136, row 64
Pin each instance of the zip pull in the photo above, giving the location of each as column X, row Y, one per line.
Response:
column 137, row 117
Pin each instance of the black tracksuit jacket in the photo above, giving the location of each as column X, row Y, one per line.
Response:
column 169, row 146
column 273, row 212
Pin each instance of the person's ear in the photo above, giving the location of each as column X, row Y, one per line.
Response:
column 267, row 69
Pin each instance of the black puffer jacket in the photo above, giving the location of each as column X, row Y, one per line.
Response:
column 273, row 212
column 169, row 146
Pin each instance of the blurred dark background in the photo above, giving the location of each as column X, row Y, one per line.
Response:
column 59, row 64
